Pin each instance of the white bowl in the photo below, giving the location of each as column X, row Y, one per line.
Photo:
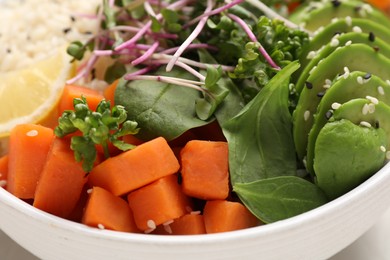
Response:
column 317, row 234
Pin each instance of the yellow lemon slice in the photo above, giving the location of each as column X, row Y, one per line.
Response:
column 31, row 95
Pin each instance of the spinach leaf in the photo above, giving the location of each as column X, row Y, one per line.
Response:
column 161, row 109
column 260, row 136
column 280, row 198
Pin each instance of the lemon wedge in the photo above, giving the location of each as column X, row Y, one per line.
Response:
column 31, row 95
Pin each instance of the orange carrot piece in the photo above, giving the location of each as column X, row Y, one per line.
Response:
column 71, row 92
column 29, row 145
column 135, row 168
column 384, row 5
column 109, row 92
column 189, row 224
column 105, row 210
column 157, row 203
column 131, row 139
column 222, row 216
column 205, row 169
column 61, row 182
column 3, row 171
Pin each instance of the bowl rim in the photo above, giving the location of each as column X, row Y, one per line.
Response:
column 250, row 233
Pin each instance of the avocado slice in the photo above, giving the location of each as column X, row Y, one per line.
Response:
column 337, row 41
column 323, row 37
column 341, row 91
column 318, row 14
column 346, row 155
column 339, row 63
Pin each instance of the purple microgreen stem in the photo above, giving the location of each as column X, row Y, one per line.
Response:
column 253, row 38
column 190, row 38
column 191, row 46
column 149, row 9
column 213, row 12
column 183, row 66
column 147, row 54
column 85, row 71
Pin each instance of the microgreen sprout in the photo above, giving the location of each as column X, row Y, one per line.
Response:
column 100, row 127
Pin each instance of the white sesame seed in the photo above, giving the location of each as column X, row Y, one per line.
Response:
column 365, row 124
column 168, row 222
column 372, row 100
column 311, row 55
column 168, row 229
column 371, row 108
column 334, row 42
column 328, row 82
column 149, row 230
column 304, row 161
column 348, row 43
column 388, row 155
column 336, row 105
column 151, row 224
column 312, row 70
column 3, row 183
column 381, row 91
column 188, row 209
column 365, row 109
column 32, row 133
column 306, row 115
column 357, row 29
column 348, row 20
column 360, row 80
column 195, row 212
column 335, row 20
column 89, row 191
column 326, row 86
column 367, row 8
column 101, row 226
column 383, row 149
column 346, row 72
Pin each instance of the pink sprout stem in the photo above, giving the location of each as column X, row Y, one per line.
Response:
column 253, row 38
column 183, row 66
column 190, row 38
column 191, row 46
column 213, row 12
column 139, row 72
column 85, row 71
column 147, row 54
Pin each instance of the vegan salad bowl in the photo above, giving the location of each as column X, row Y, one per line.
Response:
column 195, row 129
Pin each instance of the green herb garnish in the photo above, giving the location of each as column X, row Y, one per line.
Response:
column 100, row 127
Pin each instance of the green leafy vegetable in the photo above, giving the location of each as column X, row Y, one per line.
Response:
column 260, row 136
column 279, row 198
column 99, row 127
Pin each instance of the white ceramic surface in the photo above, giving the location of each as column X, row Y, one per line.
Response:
column 318, row 234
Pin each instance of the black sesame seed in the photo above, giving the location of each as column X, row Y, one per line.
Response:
column 329, row 114
column 371, row 36
column 66, row 30
column 376, row 48
column 87, row 32
column 8, row 50
column 72, row 18
column 93, row 73
column 376, row 124
column 320, row 94
column 337, row 33
column 367, row 76
column 308, row 85
column 336, row 3
column 358, row 8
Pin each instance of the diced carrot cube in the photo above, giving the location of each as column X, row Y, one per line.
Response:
column 204, row 168
column 29, row 145
column 190, row 224
column 135, row 168
column 61, row 182
column 3, row 171
column 71, row 92
column 222, row 216
column 105, row 210
column 157, row 203
column 109, row 92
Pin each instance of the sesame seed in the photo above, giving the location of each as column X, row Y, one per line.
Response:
column 348, row 43
column 381, row 90
column 376, row 124
column 188, row 209
column 195, row 212
column 365, row 109
column 3, row 183
column 388, row 155
column 306, row 115
column 321, row 94
column 328, row 82
column 367, row 76
column 346, row 72
column 326, row 86
column 334, row 20
column 357, row 29
column 348, row 20
column 312, row 70
column 32, row 133
column 311, row 55
column 388, row 82
column 151, row 224
column 149, row 230
column 336, row 3
column 360, row 80
column 308, row 85
column 334, row 42
column 371, row 108
column 168, row 222
column 336, row 105
column 371, row 37
column 100, row 226
column 66, row 30
column 329, row 114
column 365, row 124
column 168, row 229
column 383, row 149
column 89, row 191
column 304, row 161
column 376, row 48
column 368, row 8
column 373, row 100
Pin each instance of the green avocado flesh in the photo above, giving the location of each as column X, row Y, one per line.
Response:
column 346, row 155
column 337, row 41
column 341, row 91
column 356, row 57
column 318, row 14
